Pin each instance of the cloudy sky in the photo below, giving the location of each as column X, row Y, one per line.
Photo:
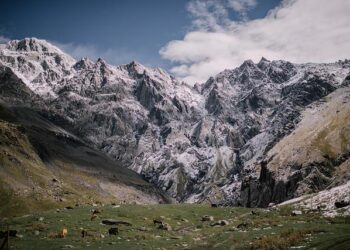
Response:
column 193, row 39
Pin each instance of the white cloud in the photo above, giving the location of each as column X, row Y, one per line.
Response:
column 298, row 31
column 242, row 6
column 208, row 14
column 214, row 14
column 3, row 39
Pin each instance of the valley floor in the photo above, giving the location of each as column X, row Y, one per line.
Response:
column 182, row 226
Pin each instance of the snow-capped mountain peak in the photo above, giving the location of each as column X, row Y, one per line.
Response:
column 32, row 45
column 195, row 143
column 37, row 62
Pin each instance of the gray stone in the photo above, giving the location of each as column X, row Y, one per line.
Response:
column 207, row 218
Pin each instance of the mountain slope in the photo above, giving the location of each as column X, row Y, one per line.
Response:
column 198, row 144
column 43, row 165
column 314, row 157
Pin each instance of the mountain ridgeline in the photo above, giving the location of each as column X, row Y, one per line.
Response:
column 257, row 134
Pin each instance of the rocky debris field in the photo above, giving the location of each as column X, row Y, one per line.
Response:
column 330, row 203
column 185, row 226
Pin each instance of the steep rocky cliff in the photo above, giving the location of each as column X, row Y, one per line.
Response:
column 198, row 144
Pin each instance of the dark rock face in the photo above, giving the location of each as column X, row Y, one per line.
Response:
column 259, row 192
column 13, row 90
column 147, row 93
column 304, row 93
column 180, row 105
column 278, row 71
column 341, row 204
column 164, row 133
column 159, row 116
column 212, row 103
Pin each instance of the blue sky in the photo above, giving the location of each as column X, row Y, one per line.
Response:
column 121, row 30
column 192, row 39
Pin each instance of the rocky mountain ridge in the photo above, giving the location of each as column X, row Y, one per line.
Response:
column 203, row 143
column 45, row 166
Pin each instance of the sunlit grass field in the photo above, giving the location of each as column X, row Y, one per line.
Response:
column 260, row 229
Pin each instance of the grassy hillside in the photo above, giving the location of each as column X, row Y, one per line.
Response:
column 44, row 166
column 321, row 141
column 263, row 229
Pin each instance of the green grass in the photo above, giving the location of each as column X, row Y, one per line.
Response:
column 266, row 230
column 11, row 204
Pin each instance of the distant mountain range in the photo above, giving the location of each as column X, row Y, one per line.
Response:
column 257, row 134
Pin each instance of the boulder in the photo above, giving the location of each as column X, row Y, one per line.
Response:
column 113, row 231
column 156, row 221
column 165, row 226
column 207, row 218
column 296, row 212
column 220, row 223
column 111, row 222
